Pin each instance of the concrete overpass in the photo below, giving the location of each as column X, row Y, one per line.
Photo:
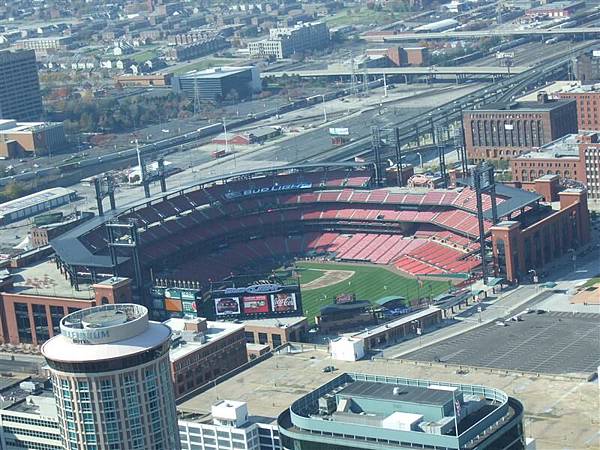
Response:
column 591, row 32
column 345, row 71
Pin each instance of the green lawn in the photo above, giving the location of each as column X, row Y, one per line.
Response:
column 365, row 16
column 368, row 283
column 144, row 56
column 592, row 281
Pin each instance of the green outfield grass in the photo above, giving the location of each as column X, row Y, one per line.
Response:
column 368, row 283
column 307, row 275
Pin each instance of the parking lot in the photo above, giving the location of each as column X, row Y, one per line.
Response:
column 550, row 343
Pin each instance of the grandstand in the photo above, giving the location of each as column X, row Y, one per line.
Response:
column 230, row 225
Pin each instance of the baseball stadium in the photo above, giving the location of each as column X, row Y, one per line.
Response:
column 334, row 225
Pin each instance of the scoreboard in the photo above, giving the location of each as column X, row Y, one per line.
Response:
column 255, row 301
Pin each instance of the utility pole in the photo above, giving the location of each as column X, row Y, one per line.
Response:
column 143, row 176
column 384, row 86
column 399, row 168
column 376, row 145
column 225, row 131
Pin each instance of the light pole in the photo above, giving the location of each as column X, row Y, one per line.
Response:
column 420, row 159
column 535, row 276
column 574, row 258
column 225, row 132
column 324, row 109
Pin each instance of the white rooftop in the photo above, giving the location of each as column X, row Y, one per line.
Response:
column 395, row 323
column 61, row 348
column 104, row 333
column 279, row 322
column 215, row 331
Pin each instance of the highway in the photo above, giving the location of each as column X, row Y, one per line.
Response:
column 585, row 32
column 338, row 71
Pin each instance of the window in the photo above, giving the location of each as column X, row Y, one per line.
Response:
column 249, row 337
column 262, row 338
column 23, row 323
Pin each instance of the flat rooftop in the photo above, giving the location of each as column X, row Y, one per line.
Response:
column 34, row 199
column 566, row 147
column 549, row 105
column 279, row 322
column 556, row 411
column 33, row 406
column 396, row 323
column 44, row 279
column 215, row 331
column 215, row 72
column 410, row 394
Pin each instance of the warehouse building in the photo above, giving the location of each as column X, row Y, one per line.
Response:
column 588, row 102
column 219, row 83
column 572, row 157
column 284, row 42
column 33, row 204
column 504, row 130
column 19, row 139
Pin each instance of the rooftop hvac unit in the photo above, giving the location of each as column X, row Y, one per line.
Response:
column 326, row 404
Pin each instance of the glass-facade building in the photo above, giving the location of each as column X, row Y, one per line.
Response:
column 111, row 377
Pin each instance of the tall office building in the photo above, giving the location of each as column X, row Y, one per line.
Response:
column 112, row 380
column 20, row 96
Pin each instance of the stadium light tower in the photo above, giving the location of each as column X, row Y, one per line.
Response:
column 482, row 180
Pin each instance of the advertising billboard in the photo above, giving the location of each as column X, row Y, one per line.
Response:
column 189, row 306
column 225, row 306
column 345, row 298
column 283, row 302
column 173, row 293
column 173, row 305
column 254, row 304
column 339, row 132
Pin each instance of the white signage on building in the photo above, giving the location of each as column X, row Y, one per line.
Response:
column 503, row 55
column 339, row 131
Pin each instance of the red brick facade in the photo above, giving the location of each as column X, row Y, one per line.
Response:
column 505, row 132
column 518, row 250
column 588, row 108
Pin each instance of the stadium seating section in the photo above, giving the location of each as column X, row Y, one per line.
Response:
column 327, row 214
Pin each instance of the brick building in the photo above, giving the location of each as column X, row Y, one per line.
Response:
column 30, row 138
column 519, row 246
column 404, row 56
column 500, row 131
column 202, row 351
column 557, row 9
column 588, row 105
column 572, row 157
column 31, row 308
column 276, row 332
column 587, row 67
